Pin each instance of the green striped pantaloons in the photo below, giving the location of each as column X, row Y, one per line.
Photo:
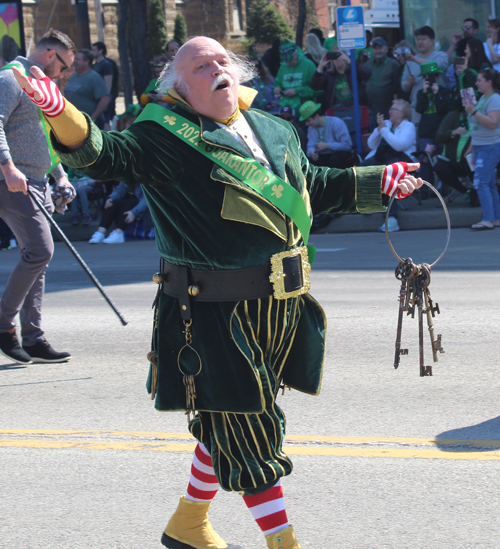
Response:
column 246, row 449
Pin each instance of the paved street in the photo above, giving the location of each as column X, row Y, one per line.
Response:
column 383, row 458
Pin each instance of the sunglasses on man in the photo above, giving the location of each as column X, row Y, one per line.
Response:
column 466, row 27
column 65, row 67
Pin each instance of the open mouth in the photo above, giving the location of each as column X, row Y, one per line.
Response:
column 222, row 86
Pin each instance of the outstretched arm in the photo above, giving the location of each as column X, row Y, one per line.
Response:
column 68, row 124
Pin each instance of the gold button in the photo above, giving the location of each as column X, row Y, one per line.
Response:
column 184, row 307
column 193, row 290
column 158, row 278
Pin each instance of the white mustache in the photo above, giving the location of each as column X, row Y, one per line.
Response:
column 220, row 79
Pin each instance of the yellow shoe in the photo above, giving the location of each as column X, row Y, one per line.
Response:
column 189, row 527
column 283, row 539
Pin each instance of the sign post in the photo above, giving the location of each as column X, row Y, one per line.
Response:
column 351, row 35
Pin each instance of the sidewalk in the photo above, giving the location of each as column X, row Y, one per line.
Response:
column 428, row 215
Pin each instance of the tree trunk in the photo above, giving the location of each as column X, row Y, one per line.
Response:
column 301, row 21
column 123, row 52
column 138, row 44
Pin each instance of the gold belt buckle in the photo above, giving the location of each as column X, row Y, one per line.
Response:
column 277, row 277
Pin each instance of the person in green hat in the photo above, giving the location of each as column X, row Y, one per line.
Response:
column 328, row 140
column 293, row 82
column 433, row 104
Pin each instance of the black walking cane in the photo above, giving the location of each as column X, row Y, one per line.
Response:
column 78, row 257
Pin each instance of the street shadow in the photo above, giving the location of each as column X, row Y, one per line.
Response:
column 474, row 438
column 12, row 366
column 47, row 381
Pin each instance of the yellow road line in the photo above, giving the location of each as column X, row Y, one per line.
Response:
column 289, row 438
column 401, row 453
column 388, row 447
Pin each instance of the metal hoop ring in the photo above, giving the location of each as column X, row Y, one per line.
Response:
column 447, row 223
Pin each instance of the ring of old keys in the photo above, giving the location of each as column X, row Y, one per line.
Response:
column 414, row 295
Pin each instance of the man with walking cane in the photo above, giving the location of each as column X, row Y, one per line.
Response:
column 25, row 161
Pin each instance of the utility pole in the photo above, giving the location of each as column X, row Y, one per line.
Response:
column 99, row 21
column 82, row 21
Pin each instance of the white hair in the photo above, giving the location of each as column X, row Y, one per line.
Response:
column 170, row 77
column 314, row 47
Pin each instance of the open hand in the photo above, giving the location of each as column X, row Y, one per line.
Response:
column 41, row 90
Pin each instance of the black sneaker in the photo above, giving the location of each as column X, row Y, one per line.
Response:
column 9, row 347
column 41, row 351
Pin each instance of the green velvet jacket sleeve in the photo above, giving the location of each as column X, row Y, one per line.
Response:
column 343, row 191
column 132, row 156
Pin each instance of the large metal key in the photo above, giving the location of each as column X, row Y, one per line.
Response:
column 404, row 272
column 420, row 281
column 430, row 311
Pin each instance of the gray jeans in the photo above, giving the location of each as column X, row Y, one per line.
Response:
column 23, row 293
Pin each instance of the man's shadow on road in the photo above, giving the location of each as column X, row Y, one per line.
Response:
column 11, row 366
column 483, row 437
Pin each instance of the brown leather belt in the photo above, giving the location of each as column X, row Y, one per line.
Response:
column 221, row 285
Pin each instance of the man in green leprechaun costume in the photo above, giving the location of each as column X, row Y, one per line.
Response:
column 232, row 197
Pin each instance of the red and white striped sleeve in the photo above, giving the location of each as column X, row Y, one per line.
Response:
column 47, row 96
column 393, row 173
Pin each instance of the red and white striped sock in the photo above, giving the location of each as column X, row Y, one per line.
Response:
column 203, row 484
column 268, row 509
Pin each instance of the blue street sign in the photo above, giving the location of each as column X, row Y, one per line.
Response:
column 351, row 27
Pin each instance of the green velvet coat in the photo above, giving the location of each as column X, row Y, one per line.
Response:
column 207, row 219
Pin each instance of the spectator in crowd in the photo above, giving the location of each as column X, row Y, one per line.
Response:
column 86, row 89
column 383, row 85
column 272, row 58
column 319, row 34
column 365, row 54
column 121, row 209
column 476, row 55
column 484, row 119
column 288, row 114
column 83, row 186
column 105, row 68
column 293, row 83
column 459, row 57
column 433, row 104
column 314, row 49
column 171, row 50
column 101, row 65
column 333, row 76
column 394, row 139
column 470, row 28
column 402, row 51
column 101, row 47
column 451, row 166
column 331, row 41
column 492, row 44
column 328, row 140
column 467, row 67
column 263, row 83
column 425, row 38
column 464, row 78
column 150, row 95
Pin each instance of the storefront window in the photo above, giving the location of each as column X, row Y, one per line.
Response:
column 446, row 17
